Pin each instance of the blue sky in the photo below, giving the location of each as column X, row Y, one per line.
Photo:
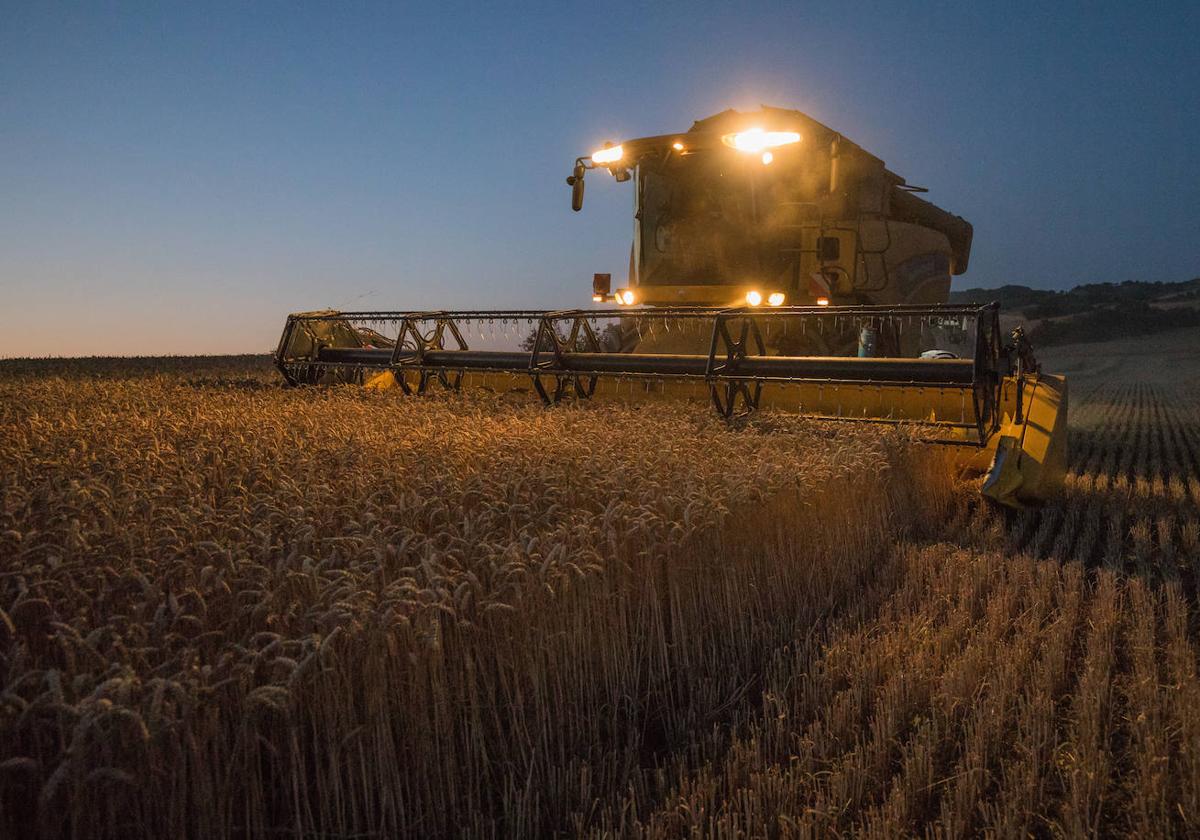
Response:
column 176, row 178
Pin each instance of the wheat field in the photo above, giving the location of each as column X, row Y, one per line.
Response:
column 230, row 609
column 1020, row 675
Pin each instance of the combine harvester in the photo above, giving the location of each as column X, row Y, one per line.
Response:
column 775, row 264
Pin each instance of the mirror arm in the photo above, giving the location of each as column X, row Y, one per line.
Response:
column 575, row 181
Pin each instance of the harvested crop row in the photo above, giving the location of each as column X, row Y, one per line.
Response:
column 1132, row 499
column 230, row 609
column 992, row 695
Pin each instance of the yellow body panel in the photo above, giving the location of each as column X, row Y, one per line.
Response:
column 848, row 402
column 381, row 381
column 1030, row 456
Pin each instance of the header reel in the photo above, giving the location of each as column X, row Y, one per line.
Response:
column 739, row 359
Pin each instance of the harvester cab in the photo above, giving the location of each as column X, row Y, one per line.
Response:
column 775, row 264
column 772, row 208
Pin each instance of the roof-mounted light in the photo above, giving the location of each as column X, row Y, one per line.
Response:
column 756, row 140
column 609, row 154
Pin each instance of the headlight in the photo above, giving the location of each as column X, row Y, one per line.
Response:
column 822, row 301
column 607, row 155
column 757, row 140
column 628, row 297
column 754, row 297
column 775, row 299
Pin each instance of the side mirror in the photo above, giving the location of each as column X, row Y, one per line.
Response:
column 576, row 182
column 601, row 285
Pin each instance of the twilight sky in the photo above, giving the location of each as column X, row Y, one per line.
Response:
column 176, row 178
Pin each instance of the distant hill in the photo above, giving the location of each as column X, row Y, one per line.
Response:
column 1095, row 311
column 1009, row 297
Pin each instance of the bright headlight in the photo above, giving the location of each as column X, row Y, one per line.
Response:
column 607, row 155
column 775, row 299
column 757, row 140
column 627, row 297
column 754, row 297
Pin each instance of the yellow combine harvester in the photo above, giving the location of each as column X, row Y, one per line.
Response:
column 774, row 264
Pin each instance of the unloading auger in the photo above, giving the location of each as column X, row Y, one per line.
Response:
column 775, row 265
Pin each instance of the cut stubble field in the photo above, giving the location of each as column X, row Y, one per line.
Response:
column 232, row 609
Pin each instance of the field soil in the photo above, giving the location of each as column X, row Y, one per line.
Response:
column 229, row 609
column 1168, row 358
